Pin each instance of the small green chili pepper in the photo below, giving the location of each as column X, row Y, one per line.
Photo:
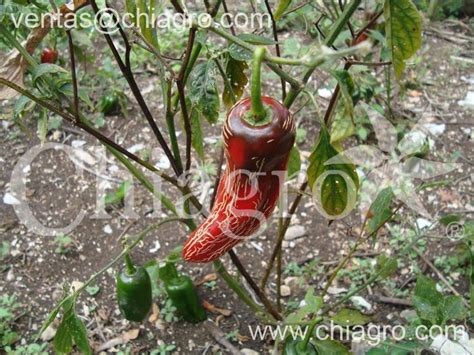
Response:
column 134, row 294
column 182, row 294
column 109, row 104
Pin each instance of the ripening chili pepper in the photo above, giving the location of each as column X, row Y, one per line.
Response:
column 257, row 151
column 109, row 104
column 182, row 293
column 49, row 55
column 134, row 293
column 298, row 347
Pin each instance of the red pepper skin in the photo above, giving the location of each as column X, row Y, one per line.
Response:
column 250, row 186
column 49, row 55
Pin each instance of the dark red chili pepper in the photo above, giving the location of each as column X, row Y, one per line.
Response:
column 250, row 185
column 49, row 55
column 258, row 135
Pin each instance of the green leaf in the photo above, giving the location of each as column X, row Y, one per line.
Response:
column 471, row 278
column 387, row 266
column 469, row 230
column 350, row 317
column 402, row 31
column 44, row 69
column 119, row 195
column 203, row 90
column 312, row 305
column 241, row 54
column 452, row 308
column 71, row 331
column 79, row 334
column 294, row 163
column 197, row 140
column 426, row 299
column 63, row 342
column 235, row 73
column 347, row 88
column 342, row 126
column 281, row 8
column 330, row 346
column 23, row 105
column 406, row 348
column 132, row 10
column 380, row 212
column 92, row 290
column 449, row 218
column 432, row 306
column 145, row 11
column 256, row 39
column 4, row 249
column 51, row 317
column 328, row 181
column 43, row 125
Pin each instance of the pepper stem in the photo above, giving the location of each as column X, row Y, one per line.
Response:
column 129, row 265
column 258, row 113
column 309, row 333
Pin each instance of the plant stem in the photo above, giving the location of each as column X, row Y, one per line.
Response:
column 235, row 286
column 171, row 127
column 329, row 41
column 260, row 293
column 281, row 236
column 310, row 331
column 73, row 75
column 226, row 81
column 130, row 268
column 277, row 46
column 258, row 109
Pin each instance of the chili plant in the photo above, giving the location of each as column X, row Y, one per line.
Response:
column 258, row 134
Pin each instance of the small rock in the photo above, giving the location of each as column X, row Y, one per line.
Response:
column 9, row 199
column 336, row 290
column 361, row 302
column 10, row 275
column 285, row 291
column 76, row 285
column 246, row 351
column 108, row 229
column 48, row 333
column 156, row 247
column 295, row 232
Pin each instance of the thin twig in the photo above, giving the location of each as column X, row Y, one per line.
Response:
column 391, row 300
column 281, row 235
column 182, row 98
column 218, row 177
column 259, row 291
column 277, row 46
column 220, row 337
column 73, row 75
column 177, row 6
column 226, row 10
